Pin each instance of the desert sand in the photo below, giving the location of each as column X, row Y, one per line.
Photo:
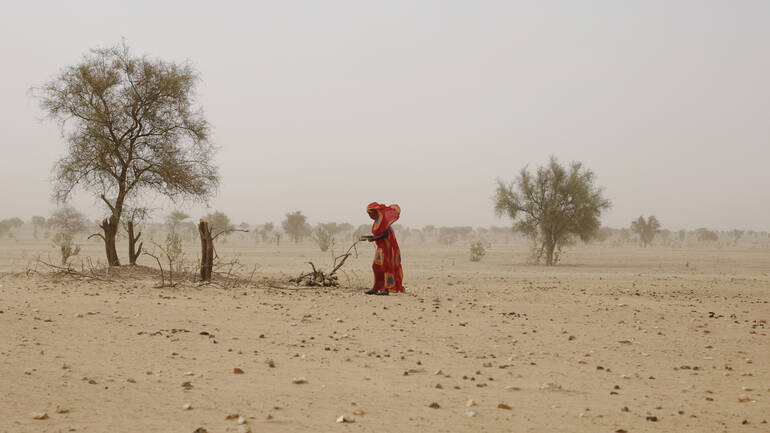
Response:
column 611, row 340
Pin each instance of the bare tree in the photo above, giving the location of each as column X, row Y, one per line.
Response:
column 553, row 207
column 646, row 229
column 132, row 126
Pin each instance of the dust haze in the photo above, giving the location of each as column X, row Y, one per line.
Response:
column 570, row 230
column 667, row 103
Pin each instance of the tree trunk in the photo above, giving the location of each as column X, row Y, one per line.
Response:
column 110, row 227
column 133, row 250
column 207, row 250
column 549, row 249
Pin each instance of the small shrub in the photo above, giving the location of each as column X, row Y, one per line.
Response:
column 67, row 246
column 323, row 238
column 478, row 251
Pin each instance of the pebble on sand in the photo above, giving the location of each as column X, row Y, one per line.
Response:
column 470, row 413
column 237, row 370
column 187, row 406
column 345, row 419
column 502, row 405
column 434, row 405
column 743, row 398
column 299, row 380
column 40, row 415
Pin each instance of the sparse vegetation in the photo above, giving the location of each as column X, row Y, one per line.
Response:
column 323, row 238
column 645, row 229
column 68, row 222
column 131, row 126
column 296, row 226
column 478, row 251
column 553, row 207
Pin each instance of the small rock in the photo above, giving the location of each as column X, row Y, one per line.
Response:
column 40, row 415
column 270, row 363
column 201, row 430
column 345, row 419
column 550, row 386
column 299, row 380
column 511, row 388
column 237, row 370
column 470, row 403
column 232, row 416
column 242, row 420
column 187, row 406
column 470, row 413
column 652, row 418
column 434, row 405
column 359, row 412
column 60, row 409
column 130, row 380
column 743, row 398
column 502, row 405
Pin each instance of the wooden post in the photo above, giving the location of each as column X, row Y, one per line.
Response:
column 133, row 251
column 207, row 250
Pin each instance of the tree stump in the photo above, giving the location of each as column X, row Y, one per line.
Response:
column 207, row 250
column 133, row 250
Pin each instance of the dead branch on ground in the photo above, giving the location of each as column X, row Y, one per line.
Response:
column 318, row 278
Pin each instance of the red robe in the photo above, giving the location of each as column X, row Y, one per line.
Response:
column 388, row 274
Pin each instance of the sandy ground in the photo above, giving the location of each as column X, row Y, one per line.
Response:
column 613, row 340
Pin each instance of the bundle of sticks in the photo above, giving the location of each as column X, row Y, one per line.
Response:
column 318, row 278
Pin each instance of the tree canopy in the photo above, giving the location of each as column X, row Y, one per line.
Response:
column 554, row 206
column 296, row 226
column 646, row 229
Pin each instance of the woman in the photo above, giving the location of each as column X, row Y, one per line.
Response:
column 387, row 259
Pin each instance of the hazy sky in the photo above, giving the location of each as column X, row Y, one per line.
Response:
column 325, row 106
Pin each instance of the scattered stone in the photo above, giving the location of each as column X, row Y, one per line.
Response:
column 187, row 385
column 434, row 405
column 743, row 398
column 470, row 403
column 502, row 405
column 652, row 418
column 550, row 386
column 232, row 416
column 270, row 363
column 130, row 380
column 299, row 380
column 242, row 420
column 237, row 370
column 187, row 406
column 345, row 419
column 60, row 409
column 359, row 412
column 201, row 430
column 471, row 413
column 40, row 415
column 511, row 388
